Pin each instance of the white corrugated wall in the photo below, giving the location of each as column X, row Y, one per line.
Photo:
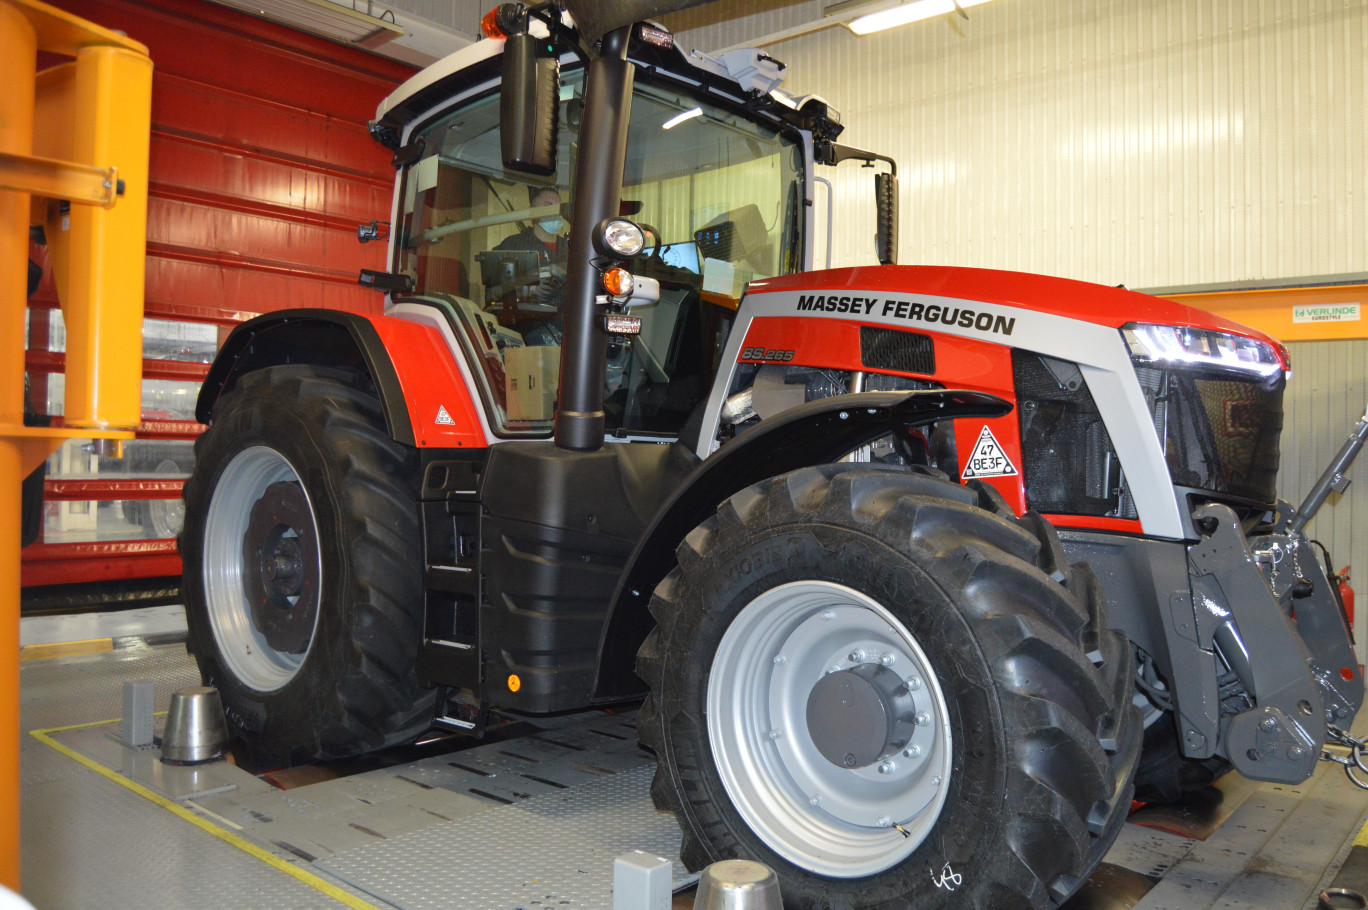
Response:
column 1150, row 142
column 1323, row 403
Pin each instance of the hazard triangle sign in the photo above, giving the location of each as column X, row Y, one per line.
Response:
column 988, row 459
column 443, row 417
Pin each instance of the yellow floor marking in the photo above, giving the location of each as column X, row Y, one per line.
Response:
column 66, row 648
column 246, row 846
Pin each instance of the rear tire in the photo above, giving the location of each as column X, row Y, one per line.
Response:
column 1022, row 775
column 303, row 580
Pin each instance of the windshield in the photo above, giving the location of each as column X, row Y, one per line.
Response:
column 719, row 196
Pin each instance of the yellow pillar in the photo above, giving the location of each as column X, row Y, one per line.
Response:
column 104, row 248
column 18, row 59
column 92, row 127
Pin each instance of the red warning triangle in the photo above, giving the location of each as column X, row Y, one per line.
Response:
column 988, row 459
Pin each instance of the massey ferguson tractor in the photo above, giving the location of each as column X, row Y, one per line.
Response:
column 923, row 572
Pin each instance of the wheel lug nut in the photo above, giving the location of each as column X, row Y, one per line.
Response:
column 935, row 781
column 856, row 657
column 887, row 658
column 923, row 718
column 912, row 751
column 887, row 767
column 913, row 683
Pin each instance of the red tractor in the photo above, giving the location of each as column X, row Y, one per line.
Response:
column 922, row 571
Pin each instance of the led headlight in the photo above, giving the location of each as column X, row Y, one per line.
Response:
column 619, row 237
column 1178, row 345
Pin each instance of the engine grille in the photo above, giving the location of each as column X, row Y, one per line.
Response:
column 890, row 349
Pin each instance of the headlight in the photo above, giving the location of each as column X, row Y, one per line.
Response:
column 619, row 237
column 1177, row 345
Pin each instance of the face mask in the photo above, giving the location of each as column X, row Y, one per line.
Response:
column 552, row 225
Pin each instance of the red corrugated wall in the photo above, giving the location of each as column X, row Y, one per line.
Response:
column 261, row 169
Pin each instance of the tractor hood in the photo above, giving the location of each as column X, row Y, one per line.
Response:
column 1100, row 304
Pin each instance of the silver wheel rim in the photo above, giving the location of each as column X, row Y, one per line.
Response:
column 836, row 821
column 168, row 515
column 243, row 647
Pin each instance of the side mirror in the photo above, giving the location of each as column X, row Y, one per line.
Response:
column 529, row 106
column 886, row 233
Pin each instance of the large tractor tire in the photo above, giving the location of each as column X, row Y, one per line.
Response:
column 891, row 691
column 303, row 581
column 1164, row 774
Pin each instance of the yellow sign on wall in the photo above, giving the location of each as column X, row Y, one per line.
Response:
column 1291, row 314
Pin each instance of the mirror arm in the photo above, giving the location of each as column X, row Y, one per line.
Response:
column 833, row 153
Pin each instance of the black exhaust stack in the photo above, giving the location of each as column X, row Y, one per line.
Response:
column 598, row 190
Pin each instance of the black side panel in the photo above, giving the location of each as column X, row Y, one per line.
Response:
column 1139, row 579
column 814, row 433
column 557, row 530
column 312, row 336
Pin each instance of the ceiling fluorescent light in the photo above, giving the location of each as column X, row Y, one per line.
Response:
column 677, row 119
column 902, row 14
column 324, row 18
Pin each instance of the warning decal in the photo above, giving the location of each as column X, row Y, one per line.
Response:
column 988, row 459
column 444, row 419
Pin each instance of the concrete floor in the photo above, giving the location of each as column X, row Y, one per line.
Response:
column 93, row 836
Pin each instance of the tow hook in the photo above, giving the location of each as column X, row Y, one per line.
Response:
column 1342, row 739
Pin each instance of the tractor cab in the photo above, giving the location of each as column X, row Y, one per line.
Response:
column 717, row 192
column 509, row 173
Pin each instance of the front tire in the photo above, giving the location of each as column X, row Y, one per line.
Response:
column 890, row 691
column 1164, row 774
column 303, row 579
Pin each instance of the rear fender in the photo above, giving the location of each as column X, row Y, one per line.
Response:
column 814, row 433
column 422, row 395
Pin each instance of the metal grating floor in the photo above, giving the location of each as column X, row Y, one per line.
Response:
column 87, row 842
column 523, row 824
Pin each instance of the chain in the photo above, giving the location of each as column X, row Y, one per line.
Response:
column 1272, row 556
column 1351, row 761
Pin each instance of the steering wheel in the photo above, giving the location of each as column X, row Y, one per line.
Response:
column 654, row 254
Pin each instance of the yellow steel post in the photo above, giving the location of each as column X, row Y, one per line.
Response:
column 105, row 246
column 18, row 57
column 98, row 138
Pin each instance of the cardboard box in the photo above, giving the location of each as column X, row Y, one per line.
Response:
column 532, row 375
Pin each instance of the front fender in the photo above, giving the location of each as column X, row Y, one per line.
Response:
column 814, row 433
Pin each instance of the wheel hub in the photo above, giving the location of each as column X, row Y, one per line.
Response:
column 278, row 549
column 861, row 715
column 812, row 689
